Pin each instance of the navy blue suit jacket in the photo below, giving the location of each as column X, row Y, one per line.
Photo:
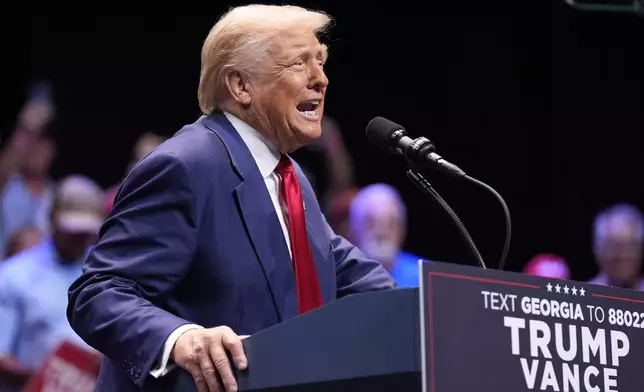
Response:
column 194, row 238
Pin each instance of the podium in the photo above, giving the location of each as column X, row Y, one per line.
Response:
column 465, row 329
column 364, row 342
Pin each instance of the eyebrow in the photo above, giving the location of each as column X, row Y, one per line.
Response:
column 321, row 52
column 324, row 52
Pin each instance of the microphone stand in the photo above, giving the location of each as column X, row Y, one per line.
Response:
column 425, row 187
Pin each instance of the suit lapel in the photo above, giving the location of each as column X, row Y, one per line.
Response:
column 265, row 232
column 260, row 219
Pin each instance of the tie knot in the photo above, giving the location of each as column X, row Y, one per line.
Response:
column 284, row 166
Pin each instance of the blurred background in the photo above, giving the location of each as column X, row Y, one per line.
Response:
column 542, row 100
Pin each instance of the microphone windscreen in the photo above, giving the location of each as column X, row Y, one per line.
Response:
column 379, row 131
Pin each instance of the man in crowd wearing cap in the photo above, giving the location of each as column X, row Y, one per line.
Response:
column 34, row 283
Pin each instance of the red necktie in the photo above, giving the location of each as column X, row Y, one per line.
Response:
column 309, row 295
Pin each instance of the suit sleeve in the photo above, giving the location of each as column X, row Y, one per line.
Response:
column 355, row 273
column 146, row 246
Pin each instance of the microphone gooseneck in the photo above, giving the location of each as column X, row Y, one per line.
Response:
column 506, row 213
column 425, row 187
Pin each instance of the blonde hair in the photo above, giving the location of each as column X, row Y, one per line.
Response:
column 241, row 38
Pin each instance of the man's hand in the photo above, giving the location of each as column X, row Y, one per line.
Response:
column 202, row 353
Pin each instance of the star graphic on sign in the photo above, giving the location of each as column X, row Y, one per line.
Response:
column 582, row 292
column 566, row 289
column 558, row 288
column 549, row 287
column 574, row 291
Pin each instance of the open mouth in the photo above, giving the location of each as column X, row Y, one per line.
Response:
column 309, row 108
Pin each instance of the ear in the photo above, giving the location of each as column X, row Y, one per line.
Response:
column 237, row 85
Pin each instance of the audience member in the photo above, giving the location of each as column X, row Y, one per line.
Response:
column 378, row 225
column 548, row 266
column 338, row 210
column 144, row 145
column 619, row 235
column 34, row 283
column 25, row 187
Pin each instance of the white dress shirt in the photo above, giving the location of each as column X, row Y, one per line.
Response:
column 266, row 157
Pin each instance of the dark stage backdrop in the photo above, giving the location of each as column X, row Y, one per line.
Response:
column 543, row 102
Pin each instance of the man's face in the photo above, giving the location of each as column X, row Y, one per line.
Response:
column 287, row 94
column 619, row 252
column 72, row 246
column 381, row 232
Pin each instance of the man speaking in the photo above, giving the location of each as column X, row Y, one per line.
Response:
column 217, row 233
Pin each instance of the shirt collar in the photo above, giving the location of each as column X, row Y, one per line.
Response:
column 263, row 151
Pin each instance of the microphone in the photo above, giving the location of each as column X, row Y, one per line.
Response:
column 392, row 137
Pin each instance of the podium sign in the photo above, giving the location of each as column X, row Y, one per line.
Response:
column 487, row 330
column 68, row 369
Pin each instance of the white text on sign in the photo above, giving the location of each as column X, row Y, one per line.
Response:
column 561, row 356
